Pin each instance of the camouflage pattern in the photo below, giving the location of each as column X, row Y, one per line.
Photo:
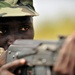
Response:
column 17, row 8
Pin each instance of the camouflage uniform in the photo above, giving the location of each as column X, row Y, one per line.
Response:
column 21, row 8
column 15, row 8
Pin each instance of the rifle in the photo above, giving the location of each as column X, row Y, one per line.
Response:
column 42, row 55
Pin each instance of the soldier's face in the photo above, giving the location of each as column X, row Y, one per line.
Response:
column 15, row 28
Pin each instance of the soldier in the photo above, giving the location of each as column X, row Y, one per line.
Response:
column 16, row 22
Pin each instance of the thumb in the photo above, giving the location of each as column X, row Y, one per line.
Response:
column 14, row 64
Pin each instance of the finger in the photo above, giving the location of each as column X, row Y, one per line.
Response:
column 14, row 64
column 3, row 58
column 6, row 73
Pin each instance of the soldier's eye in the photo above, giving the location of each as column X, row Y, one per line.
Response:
column 3, row 29
column 1, row 32
column 24, row 28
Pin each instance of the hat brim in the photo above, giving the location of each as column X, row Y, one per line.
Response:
column 17, row 11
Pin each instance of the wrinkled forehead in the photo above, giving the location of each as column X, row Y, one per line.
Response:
column 16, row 19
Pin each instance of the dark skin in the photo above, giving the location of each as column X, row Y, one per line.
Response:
column 12, row 28
column 15, row 28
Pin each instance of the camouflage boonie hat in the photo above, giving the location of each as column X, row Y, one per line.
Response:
column 11, row 8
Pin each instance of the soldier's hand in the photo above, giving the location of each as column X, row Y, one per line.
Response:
column 3, row 58
column 65, row 64
column 9, row 68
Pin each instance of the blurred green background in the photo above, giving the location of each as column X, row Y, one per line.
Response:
column 55, row 18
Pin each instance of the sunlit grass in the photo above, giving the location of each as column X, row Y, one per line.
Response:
column 51, row 29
